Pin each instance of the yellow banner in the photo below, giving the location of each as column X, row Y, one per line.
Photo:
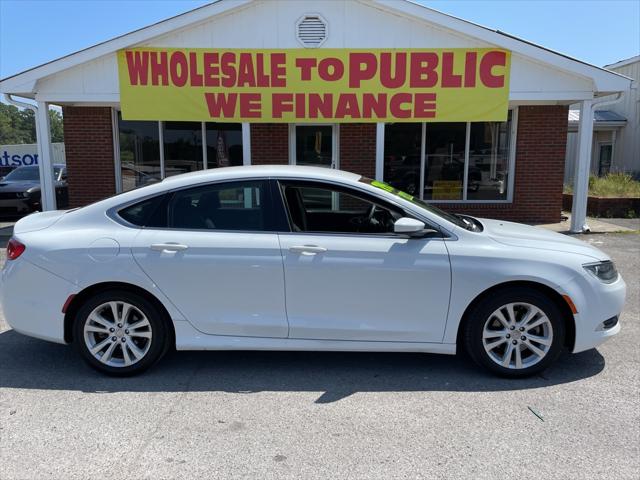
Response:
column 314, row 85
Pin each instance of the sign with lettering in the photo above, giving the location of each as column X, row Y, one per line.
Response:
column 314, row 86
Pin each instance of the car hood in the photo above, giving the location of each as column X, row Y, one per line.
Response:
column 18, row 186
column 526, row 236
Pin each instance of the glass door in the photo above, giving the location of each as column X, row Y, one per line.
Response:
column 604, row 159
column 314, row 145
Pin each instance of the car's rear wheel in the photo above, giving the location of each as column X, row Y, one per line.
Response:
column 516, row 332
column 120, row 332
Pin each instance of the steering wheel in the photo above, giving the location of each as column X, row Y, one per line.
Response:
column 371, row 214
column 365, row 219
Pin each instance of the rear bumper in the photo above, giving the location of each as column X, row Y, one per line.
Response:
column 31, row 299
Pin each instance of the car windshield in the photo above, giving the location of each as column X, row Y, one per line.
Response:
column 30, row 174
column 24, row 173
column 456, row 220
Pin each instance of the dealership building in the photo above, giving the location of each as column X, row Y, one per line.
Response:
column 511, row 168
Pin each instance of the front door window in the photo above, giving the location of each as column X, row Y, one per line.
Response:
column 323, row 208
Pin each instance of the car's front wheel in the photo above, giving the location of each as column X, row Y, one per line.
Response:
column 120, row 332
column 516, row 332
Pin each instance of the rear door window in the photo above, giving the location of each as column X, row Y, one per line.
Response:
column 237, row 206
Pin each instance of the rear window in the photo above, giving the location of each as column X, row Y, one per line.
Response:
column 239, row 206
column 145, row 213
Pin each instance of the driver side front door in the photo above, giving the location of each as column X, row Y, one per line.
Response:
column 349, row 277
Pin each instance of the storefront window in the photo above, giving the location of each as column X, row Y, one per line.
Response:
column 314, row 145
column 444, row 167
column 402, row 163
column 182, row 147
column 224, row 144
column 488, row 161
column 440, row 154
column 139, row 153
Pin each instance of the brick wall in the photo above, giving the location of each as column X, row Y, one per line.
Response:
column 269, row 143
column 88, row 141
column 539, row 169
column 358, row 148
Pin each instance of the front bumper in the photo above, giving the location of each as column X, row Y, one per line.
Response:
column 18, row 205
column 596, row 303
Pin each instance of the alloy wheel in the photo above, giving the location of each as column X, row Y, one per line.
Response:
column 517, row 335
column 118, row 334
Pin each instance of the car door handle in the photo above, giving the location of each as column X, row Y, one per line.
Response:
column 168, row 247
column 307, row 249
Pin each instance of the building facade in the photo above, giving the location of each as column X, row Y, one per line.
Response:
column 616, row 130
column 512, row 169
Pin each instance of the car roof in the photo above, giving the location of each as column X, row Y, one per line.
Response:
column 187, row 180
column 281, row 171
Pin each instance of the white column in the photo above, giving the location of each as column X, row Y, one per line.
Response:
column 43, row 135
column 246, row 143
column 115, row 132
column 582, row 168
column 380, row 152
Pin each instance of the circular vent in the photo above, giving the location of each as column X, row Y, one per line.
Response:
column 312, row 30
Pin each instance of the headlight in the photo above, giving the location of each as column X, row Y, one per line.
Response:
column 605, row 271
column 22, row 194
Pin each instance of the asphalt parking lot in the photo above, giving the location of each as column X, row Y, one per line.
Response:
column 326, row 415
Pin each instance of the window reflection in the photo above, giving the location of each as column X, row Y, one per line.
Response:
column 182, row 147
column 489, row 161
column 444, row 163
column 140, row 149
column 314, row 145
column 444, row 168
column 139, row 153
column 402, row 145
column 224, row 144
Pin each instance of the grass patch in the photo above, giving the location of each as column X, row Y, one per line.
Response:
column 620, row 185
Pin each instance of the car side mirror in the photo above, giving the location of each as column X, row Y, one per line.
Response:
column 408, row 225
column 412, row 227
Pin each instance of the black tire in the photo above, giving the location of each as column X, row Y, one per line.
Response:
column 158, row 325
column 472, row 335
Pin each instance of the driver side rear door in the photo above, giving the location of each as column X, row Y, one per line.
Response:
column 349, row 277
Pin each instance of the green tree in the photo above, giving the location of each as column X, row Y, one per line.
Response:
column 57, row 129
column 19, row 126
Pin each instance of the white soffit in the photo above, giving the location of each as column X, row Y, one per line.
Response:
column 415, row 26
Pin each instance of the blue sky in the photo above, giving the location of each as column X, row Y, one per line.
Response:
column 36, row 31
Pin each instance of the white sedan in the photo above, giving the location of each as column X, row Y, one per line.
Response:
column 301, row 258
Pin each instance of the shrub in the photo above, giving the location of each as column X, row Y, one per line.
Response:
column 611, row 185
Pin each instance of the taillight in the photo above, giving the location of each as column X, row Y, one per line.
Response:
column 14, row 249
